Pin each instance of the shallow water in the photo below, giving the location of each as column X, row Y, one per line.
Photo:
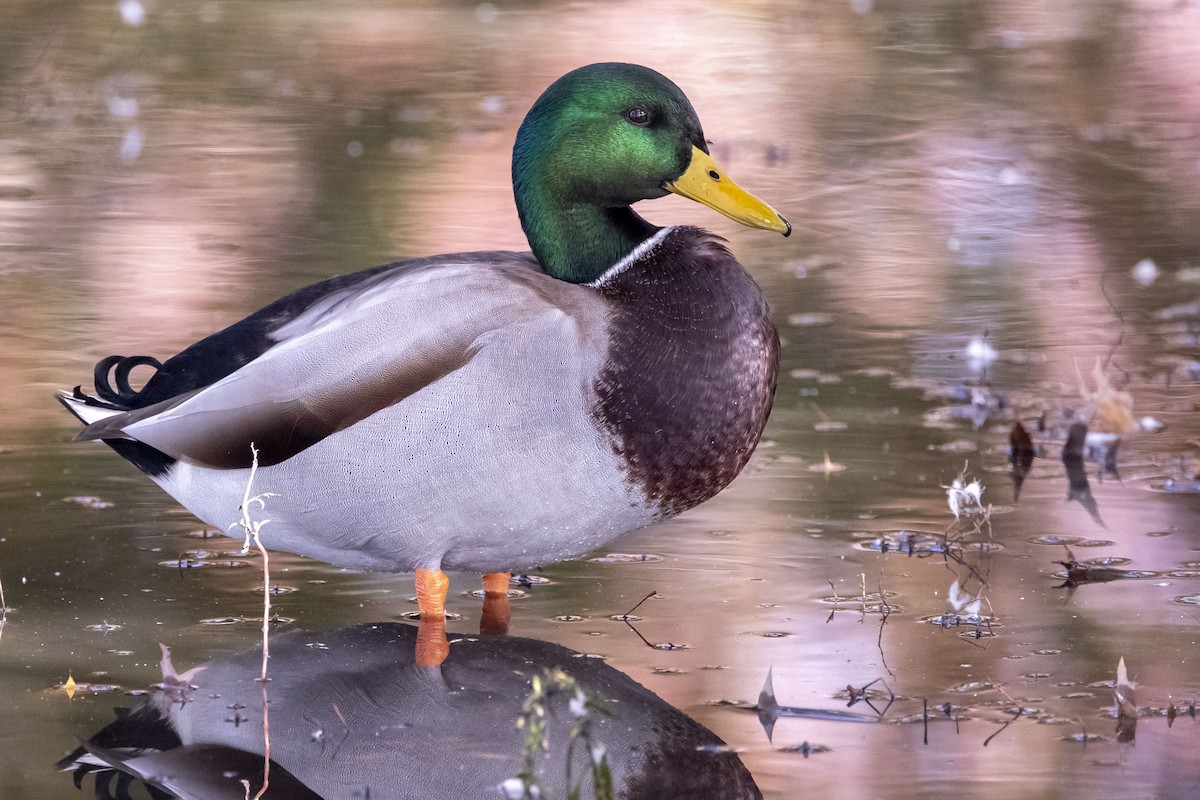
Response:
column 989, row 199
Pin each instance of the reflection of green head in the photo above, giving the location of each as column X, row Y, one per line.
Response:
column 598, row 139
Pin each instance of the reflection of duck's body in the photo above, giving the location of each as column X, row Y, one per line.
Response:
column 351, row 716
column 487, row 411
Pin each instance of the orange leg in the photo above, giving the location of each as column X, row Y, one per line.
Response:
column 432, row 585
column 495, row 618
column 432, row 647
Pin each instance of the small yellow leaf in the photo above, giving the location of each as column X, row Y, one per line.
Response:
column 69, row 686
column 1110, row 410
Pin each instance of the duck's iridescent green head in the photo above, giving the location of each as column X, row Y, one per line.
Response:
column 599, row 139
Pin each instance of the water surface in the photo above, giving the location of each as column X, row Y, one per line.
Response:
column 989, row 201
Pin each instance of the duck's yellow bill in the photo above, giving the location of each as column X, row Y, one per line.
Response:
column 707, row 184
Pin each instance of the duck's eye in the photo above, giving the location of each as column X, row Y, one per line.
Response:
column 638, row 116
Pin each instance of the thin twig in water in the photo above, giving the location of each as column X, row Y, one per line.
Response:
column 625, row 618
column 1016, row 716
column 3, row 609
column 925, row 717
column 252, row 529
column 886, row 611
column 1112, row 350
column 862, row 584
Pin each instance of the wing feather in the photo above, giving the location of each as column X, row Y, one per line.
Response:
column 351, row 353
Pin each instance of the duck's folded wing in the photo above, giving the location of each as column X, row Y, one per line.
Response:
column 348, row 356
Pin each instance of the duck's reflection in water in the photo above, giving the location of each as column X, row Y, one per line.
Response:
column 352, row 716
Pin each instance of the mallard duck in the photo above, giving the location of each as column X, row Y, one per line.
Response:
column 486, row 411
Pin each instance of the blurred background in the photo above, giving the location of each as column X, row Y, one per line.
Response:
column 997, row 212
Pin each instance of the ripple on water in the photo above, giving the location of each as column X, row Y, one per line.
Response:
column 1109, row 561
column 972, row 686
column 238, row 620
column 276, row 591
column 954, row 446
column 920, row 543
column 1175, row 486
column 1070, row 541
column 902, row 541
column 857, row 599
column 811, row 319
column 513, row 594
column 88, row 501
column 531, row 580
column 870, row 604
column 203, row 533
column 203, row 562
column 416, row 615
column 951, row 619
column 625, row 558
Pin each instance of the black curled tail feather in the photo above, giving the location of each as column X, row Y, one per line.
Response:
column 116, row 369
column 124, row 396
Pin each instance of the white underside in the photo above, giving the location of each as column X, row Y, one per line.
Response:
column 434, row 483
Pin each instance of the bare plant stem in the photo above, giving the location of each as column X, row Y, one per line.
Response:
column 252, row 529
column 3, row 609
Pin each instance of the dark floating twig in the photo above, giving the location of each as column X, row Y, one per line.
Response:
column 638, row 634
column 925, row 718
column 625, row 617
column 1015, row 717
column 886, row 612
column 860, row 696
column 647, row 642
